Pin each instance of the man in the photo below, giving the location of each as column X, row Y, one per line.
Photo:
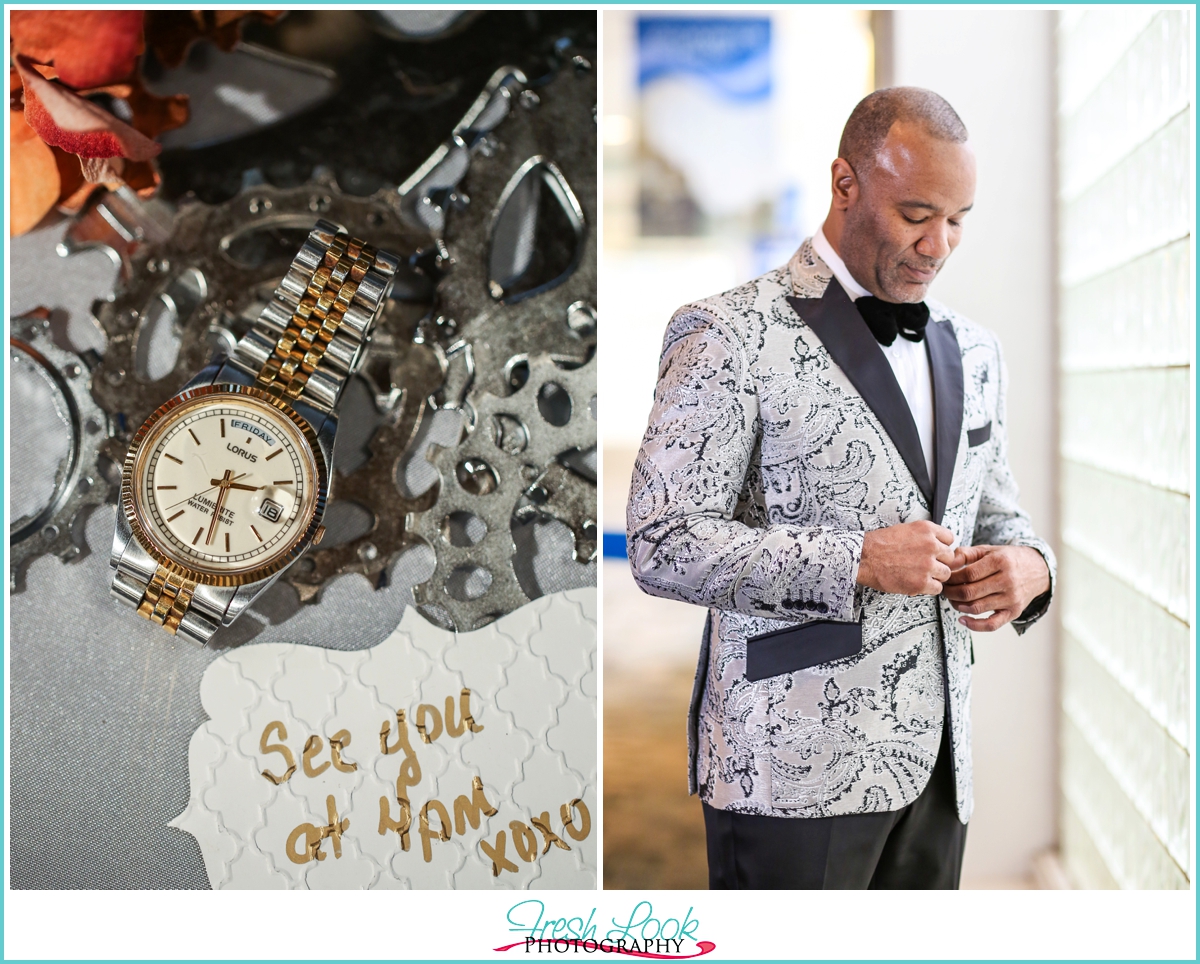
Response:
column 826, row 469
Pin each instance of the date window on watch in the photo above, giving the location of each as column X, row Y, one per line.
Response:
column 270, row 510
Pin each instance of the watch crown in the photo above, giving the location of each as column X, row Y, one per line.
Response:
column 318, row 535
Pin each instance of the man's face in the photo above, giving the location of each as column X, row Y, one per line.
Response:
column 907, row 213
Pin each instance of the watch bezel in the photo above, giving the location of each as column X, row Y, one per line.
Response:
column 142, row 533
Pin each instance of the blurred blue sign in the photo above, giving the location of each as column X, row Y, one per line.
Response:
column 733, row 54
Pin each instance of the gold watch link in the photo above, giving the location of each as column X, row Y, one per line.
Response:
column 317, row 318
column 166, row 599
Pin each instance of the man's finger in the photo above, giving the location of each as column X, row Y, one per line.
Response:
column 972, row 554
column 979, row 569
column 946, row 556
column 987, row 604
column 970, row 591
column 940, row 573
column 989, row 625
column 944, row 535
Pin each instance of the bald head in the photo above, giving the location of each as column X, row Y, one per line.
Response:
column 902, row 184
column 869, row 123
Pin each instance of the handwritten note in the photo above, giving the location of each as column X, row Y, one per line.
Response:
column 432, row 760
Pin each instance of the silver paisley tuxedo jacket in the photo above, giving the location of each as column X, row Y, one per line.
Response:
column 778, row 436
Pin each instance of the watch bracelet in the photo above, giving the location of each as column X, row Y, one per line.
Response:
column 307, row 342
column 310, row 337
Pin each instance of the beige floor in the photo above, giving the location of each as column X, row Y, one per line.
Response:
column 653, row 831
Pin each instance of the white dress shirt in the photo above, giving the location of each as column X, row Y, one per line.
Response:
column 908, row 359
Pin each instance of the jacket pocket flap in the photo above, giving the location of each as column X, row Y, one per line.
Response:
column 799, row 647
column 977, row 436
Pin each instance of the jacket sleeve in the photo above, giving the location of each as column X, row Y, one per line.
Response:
column 689, row 475
column 1000, row 520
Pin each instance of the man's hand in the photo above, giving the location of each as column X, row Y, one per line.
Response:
column 1000, row 579
column 912, row 559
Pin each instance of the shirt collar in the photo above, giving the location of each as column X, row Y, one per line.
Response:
column 824, row 251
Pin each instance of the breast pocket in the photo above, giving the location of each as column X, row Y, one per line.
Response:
column 978, row 436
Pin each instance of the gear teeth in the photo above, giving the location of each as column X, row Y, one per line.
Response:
column 78, row 484
column 489, row 474
column 466, row 351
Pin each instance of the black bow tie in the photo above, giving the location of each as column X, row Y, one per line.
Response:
column 886, row 319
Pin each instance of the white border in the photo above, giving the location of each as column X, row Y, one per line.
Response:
column 462, row 925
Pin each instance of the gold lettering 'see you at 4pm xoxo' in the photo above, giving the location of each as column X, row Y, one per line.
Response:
column 304, row 843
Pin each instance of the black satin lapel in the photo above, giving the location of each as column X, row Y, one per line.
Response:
column 850, row 343
column 945, row 362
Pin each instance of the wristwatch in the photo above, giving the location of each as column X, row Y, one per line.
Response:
column 225, row 485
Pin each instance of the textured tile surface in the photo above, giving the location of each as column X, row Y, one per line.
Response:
column 1126, row 149
column 532, row 689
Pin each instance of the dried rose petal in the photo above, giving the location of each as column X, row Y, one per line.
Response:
column 64, row 119
column 34, row 177
column 142, row 177
column 88, row 48
column 102, row 170
column 151, row 114
column 74, row 190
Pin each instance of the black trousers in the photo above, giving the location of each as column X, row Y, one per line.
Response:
column 919, row 847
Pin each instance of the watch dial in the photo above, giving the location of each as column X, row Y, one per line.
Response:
column 226, row 484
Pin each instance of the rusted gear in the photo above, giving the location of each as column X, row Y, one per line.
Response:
column 78, row 482
column 513, row 441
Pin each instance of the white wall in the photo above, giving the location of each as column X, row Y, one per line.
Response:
column 996, row 68
column 1126, row 161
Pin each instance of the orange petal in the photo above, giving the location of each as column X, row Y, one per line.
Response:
column 34, row 177
column 64, row 119
column 88, row 48
column 142, row 177
column 151, row 114
column 74, row 189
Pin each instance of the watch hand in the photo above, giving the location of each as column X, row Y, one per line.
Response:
column 216, row 516
column 236, row 485
column 201, row 492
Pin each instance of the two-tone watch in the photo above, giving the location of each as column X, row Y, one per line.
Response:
column 225, row 485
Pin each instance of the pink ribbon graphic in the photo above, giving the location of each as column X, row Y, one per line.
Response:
column 706, row 947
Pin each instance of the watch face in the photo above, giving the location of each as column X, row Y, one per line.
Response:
column 225, row 483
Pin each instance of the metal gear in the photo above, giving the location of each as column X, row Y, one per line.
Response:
column 207, row 269
column 211, row 273
column 503, row 459
column 547, row 144
column 78, row 483
column 508, row 466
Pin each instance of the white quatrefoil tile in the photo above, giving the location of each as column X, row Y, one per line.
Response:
column 433, row 760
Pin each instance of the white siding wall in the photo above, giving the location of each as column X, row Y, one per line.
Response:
column 1125, row 356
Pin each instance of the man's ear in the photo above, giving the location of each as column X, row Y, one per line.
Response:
column 845, row 185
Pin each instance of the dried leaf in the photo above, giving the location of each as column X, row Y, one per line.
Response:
column 88, row 48
column 34, row 176
column 64, row 119
column 169, row 33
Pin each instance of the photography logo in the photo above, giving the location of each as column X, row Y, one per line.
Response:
column 641, row 933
